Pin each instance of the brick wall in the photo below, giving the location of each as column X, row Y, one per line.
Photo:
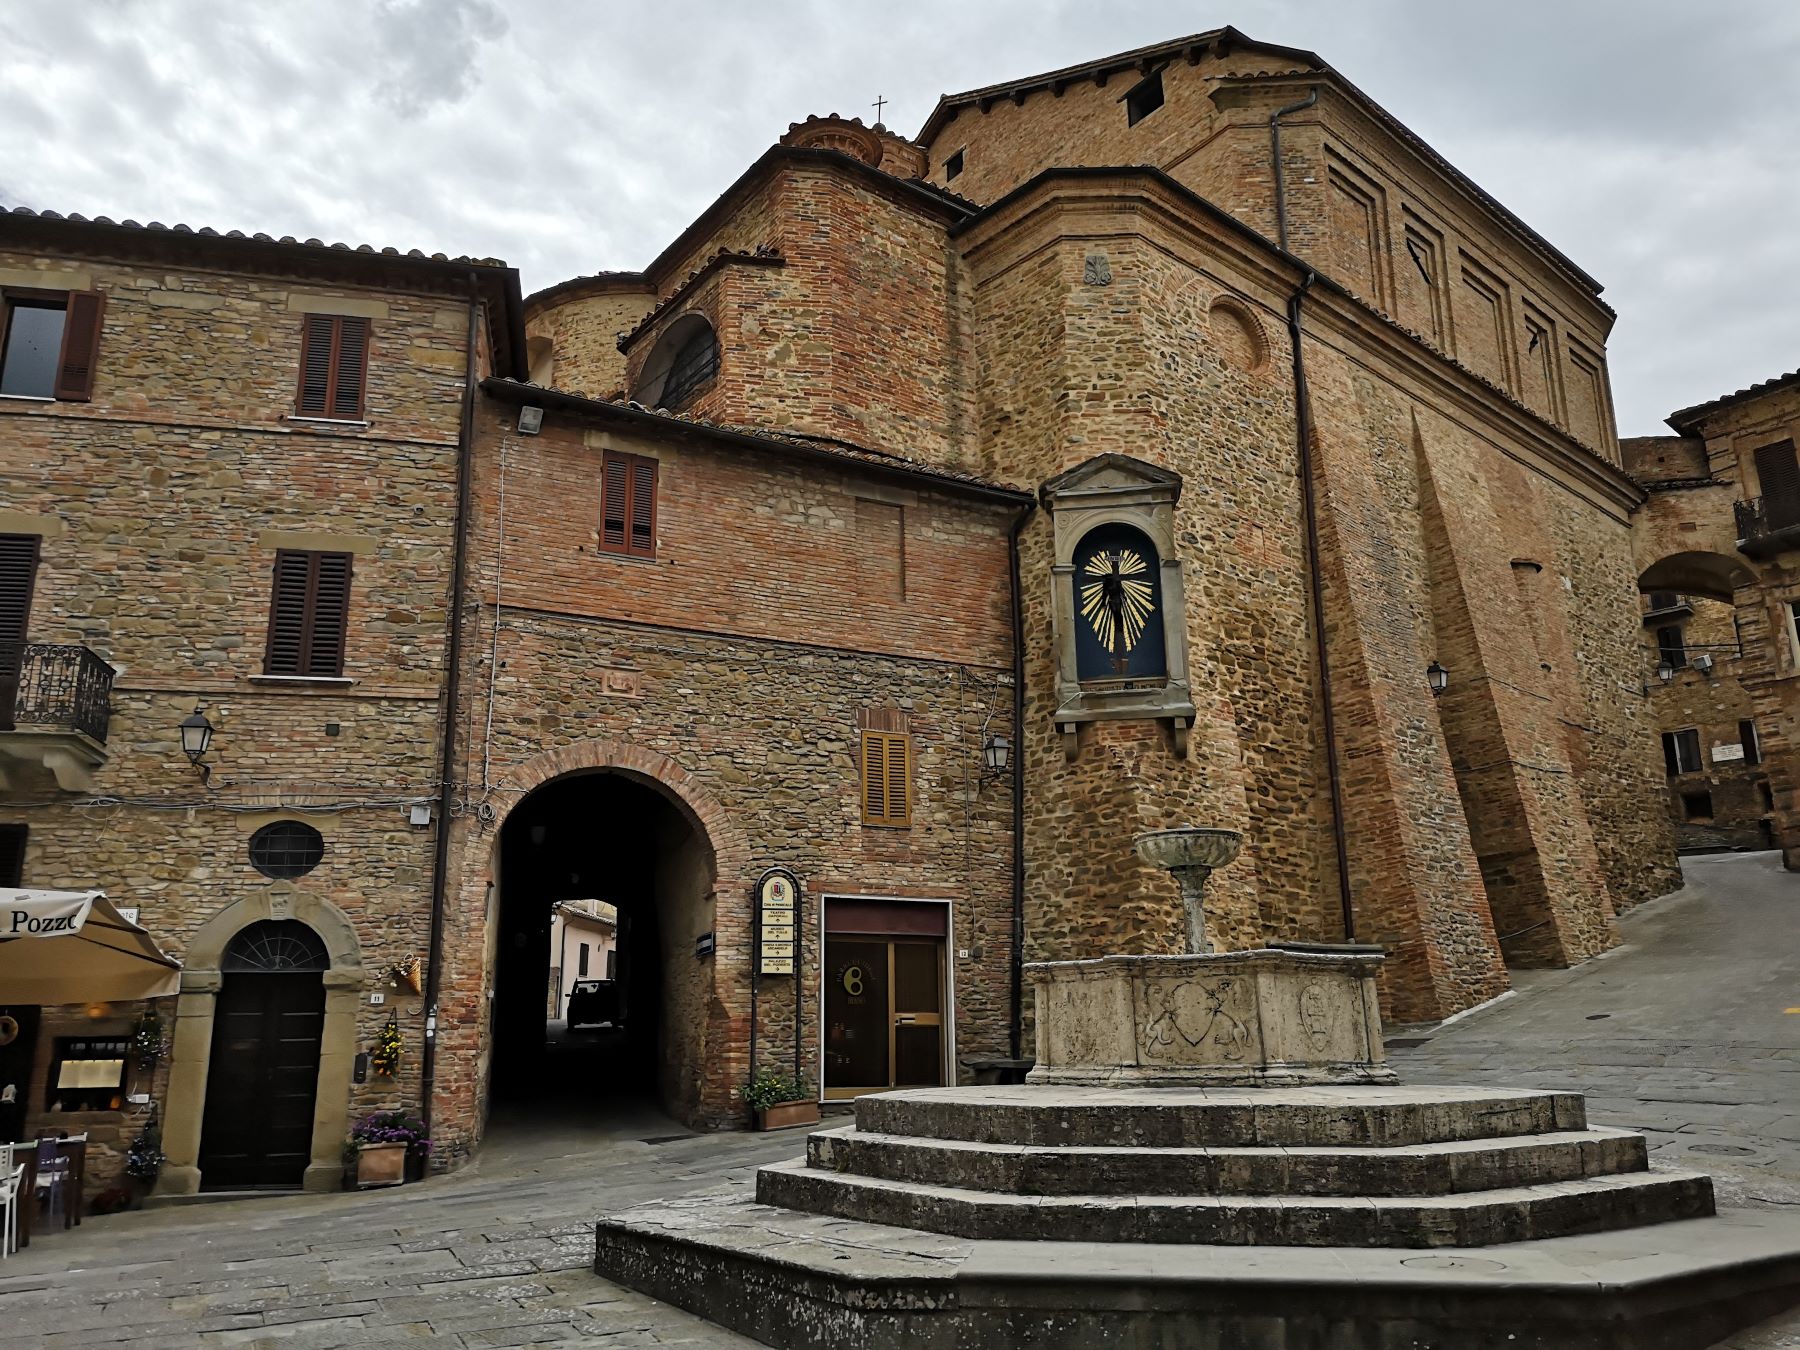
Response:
column 765, row 625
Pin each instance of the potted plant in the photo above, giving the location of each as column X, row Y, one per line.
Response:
column 143, row 1161
column 386, row 1057
column 780, row 1100
column 385, row 1142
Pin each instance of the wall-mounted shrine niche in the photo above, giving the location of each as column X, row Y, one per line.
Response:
column 1117, row 605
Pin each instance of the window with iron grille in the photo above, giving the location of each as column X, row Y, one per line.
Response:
column 285, row 849
column 308, row 614
column 693, row 368
column 274, row 946
column 334, row 366
column 628, row 504
column 886, row 778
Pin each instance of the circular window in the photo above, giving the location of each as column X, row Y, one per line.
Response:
column 286, row 849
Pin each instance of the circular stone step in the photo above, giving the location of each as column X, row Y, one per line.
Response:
column 1478, row 1219
column 1093, row 1117
column 1408, row 1169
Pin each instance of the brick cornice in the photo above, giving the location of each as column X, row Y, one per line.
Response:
column 1069, row 204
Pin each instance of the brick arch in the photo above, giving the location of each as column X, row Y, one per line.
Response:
column 731, row 850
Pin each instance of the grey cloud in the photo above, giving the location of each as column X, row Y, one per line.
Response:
column 573, row 135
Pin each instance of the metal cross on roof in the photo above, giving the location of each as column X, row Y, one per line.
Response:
column 878, row 105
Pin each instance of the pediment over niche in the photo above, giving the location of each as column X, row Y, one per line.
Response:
column 1112, row 476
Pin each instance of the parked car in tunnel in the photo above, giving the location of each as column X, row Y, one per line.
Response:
column 594, row 1003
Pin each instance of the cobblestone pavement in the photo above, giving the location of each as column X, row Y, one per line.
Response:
column 498, row 1254
column 1683, row 1033
column 1689, row 1032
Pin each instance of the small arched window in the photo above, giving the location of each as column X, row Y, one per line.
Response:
column 1118, row 606
column 682, row 364
column 286, row 849
column 275, row 946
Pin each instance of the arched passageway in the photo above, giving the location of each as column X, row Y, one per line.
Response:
column 599, row 1003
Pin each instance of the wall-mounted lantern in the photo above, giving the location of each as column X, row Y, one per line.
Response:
column 196, row 739
column 1437, row 675
column 996, row 757
column 1665, row 670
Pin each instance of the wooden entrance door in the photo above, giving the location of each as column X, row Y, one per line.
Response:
column 884, row 1014
column 256, row 1132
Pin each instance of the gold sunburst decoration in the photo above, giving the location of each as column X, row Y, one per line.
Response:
column 1117, row 599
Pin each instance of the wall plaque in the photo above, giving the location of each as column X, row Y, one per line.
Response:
column 777, row 912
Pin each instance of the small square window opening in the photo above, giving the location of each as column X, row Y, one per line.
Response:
column 1145, row 98
column 953, row 166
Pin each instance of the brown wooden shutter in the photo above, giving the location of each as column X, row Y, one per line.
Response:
column 12, row 855
column 80, row 346
column 874, row 778
column 330, row 614
column 886, row 778
column 288, row 613
column 614, row 503
column 316, row 364
column 899, row 780
column 643, row 506
column 18, row 577
column 1779, row 473
column 350, row 367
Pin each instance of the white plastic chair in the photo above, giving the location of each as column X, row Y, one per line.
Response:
column 12, row 1182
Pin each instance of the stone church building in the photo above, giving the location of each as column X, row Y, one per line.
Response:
column 1171, row 439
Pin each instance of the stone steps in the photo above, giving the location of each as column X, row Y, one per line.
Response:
column 1415, row 1169
column 1158, row 1118
column 1467, row 1219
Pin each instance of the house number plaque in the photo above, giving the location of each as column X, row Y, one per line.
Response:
column 777, row 907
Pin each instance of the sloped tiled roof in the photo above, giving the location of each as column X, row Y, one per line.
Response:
column 815, row 447
column 1686, row 418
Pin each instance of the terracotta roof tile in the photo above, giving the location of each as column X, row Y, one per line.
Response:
column 1686, row 417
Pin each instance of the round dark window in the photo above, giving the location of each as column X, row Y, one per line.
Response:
column 286, row 849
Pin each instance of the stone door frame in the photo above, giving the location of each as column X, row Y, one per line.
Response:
column 190, row 1062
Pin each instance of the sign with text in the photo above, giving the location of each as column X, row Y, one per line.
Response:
column 777, row 914
column 1725, row 752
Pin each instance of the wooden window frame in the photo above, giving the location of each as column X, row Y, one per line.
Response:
column 309, row 615
column 78, row 351
column 329, row 412
column 630, row 466
column 1672, row 744
column 881, row 752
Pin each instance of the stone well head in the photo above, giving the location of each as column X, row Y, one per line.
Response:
column 1191, row 846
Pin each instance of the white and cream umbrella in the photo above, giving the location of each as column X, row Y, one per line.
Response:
column 75, row 947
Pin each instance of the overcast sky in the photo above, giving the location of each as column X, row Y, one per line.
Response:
column 1653, row 141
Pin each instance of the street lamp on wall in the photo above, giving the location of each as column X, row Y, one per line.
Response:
column 1665, row 670
column 996, row 757
column 196, row 739
column 1437, row 675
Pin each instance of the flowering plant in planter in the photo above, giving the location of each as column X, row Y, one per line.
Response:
column 386, row 1058
column 780, row 1099
column 392, row 1127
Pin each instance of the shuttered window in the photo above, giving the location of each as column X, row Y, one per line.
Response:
column 886, row 778
column 48, row 343
column 1681, row 751
column 1779, row 473
column 12, row 855
column 308, row 613
column 18, row 574
column 334, row 362
column 628, row 505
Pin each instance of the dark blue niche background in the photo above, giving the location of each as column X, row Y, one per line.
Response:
column 1093, row 659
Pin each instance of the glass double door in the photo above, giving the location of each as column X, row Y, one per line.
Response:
column 884, row 1014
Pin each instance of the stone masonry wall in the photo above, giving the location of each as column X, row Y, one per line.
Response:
column 161, row 504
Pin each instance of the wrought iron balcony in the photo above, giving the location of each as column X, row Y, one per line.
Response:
column 1766, row 528
column 55, row 704
column 54, row 685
